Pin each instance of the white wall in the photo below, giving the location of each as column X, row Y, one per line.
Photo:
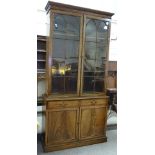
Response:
column 40, row 121
column 106, row 5
column 41, row 87
column 113, row 49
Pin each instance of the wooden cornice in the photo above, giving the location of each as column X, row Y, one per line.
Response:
column 60, row 6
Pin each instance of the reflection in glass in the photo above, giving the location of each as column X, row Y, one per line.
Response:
column 89, row 65
column 65, row 48
column 65, row 52
column 68, row 25
column 90, row 48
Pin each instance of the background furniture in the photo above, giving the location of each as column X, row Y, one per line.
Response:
column 41, row 68
column 112, row 74
column 112, row 93
column 112, row 86
column 76, row 76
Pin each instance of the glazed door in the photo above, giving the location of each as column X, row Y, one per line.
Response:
column 95, row 55
column 92, row 122
column 64, row 54
column 62, row 125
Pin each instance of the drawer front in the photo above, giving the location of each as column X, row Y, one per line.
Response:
column 77, row 103
column 62, row 104
column 94, row 102
column 101, row 102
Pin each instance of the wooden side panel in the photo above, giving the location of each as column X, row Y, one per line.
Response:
column 62, row 125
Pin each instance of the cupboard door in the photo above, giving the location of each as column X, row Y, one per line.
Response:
column 86, row 122
column 92, row 122
column 64, row 63
column 95, row 54
column 62, row 125
column 100, row 121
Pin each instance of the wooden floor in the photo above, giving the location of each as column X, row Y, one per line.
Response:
column 108, row 148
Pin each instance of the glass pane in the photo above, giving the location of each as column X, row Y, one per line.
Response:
column 70, row 84
column 71, row 49
column 89, row 73
column 89, row 65
column 72, row 64
column 64, row 66
column 102, row 31
column 88, row 84
column 99, row 74
column 70, row 25
column 58, row 84
column 90, row 30
column 96, row 43
column 65, row 48
column 64, row 84
column 99, row 84
column 58, row 48
column 93, row 84
column 90, row 50
column 65, row 53
column 100, row 66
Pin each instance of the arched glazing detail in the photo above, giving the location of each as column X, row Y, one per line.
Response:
column 96, row 43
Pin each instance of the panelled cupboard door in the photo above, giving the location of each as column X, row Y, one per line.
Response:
column 87, row 121
column 92, row 121
column 100, row 121
column 62, row 125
